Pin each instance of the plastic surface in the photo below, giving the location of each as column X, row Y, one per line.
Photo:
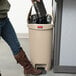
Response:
column 40, row 44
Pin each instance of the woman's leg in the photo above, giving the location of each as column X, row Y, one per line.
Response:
column 0, row 27
column 0, row 31
column 9, row 35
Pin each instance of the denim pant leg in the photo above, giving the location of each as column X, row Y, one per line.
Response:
column 9, row 35
column 0, row 30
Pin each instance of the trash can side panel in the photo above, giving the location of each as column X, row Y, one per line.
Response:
column 40, row 46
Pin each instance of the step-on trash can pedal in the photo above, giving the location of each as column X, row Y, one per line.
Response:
column 40, row 37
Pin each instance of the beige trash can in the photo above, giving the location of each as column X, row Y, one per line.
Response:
column 40, row 44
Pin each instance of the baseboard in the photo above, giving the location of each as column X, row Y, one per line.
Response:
column 22, row 35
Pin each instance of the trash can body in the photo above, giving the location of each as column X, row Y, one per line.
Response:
column 40, row 44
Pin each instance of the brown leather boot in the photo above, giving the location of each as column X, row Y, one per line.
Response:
column 22, row 59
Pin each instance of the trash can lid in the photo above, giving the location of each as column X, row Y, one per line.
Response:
column 40, row 26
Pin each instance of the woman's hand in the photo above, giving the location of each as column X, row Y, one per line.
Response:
column 35, row 0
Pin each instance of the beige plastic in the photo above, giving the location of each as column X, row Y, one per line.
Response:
column 40, row 44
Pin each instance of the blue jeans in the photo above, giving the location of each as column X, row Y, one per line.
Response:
column 7, row 32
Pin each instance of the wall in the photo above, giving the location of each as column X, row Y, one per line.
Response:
column 19, row 12
column 68, row 34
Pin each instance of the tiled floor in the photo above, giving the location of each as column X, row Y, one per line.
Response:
column 8, row 65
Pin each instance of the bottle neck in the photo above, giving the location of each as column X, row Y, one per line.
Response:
column 38, row 11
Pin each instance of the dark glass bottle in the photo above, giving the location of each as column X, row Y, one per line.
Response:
column 40, row 11
column 40, row 8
